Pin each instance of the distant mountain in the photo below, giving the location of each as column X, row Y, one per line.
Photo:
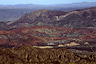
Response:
column 13, row 12
column 78, row 18
column 53, row 6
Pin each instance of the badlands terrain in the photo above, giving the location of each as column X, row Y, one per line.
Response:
column 46, row 36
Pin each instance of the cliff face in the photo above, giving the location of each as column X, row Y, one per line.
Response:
column 28, row 54
column 73, row 19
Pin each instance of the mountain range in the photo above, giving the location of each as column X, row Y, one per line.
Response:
column 84, row 18
column 53, row 6
column 13, row 12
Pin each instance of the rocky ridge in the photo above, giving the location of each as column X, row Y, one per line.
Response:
column 74, row 19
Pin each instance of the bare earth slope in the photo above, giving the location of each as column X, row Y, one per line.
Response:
column 4, row 26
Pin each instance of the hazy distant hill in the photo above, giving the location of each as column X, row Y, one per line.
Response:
column 13, row 12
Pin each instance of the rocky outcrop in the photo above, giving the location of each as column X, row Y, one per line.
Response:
column 29, row 54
